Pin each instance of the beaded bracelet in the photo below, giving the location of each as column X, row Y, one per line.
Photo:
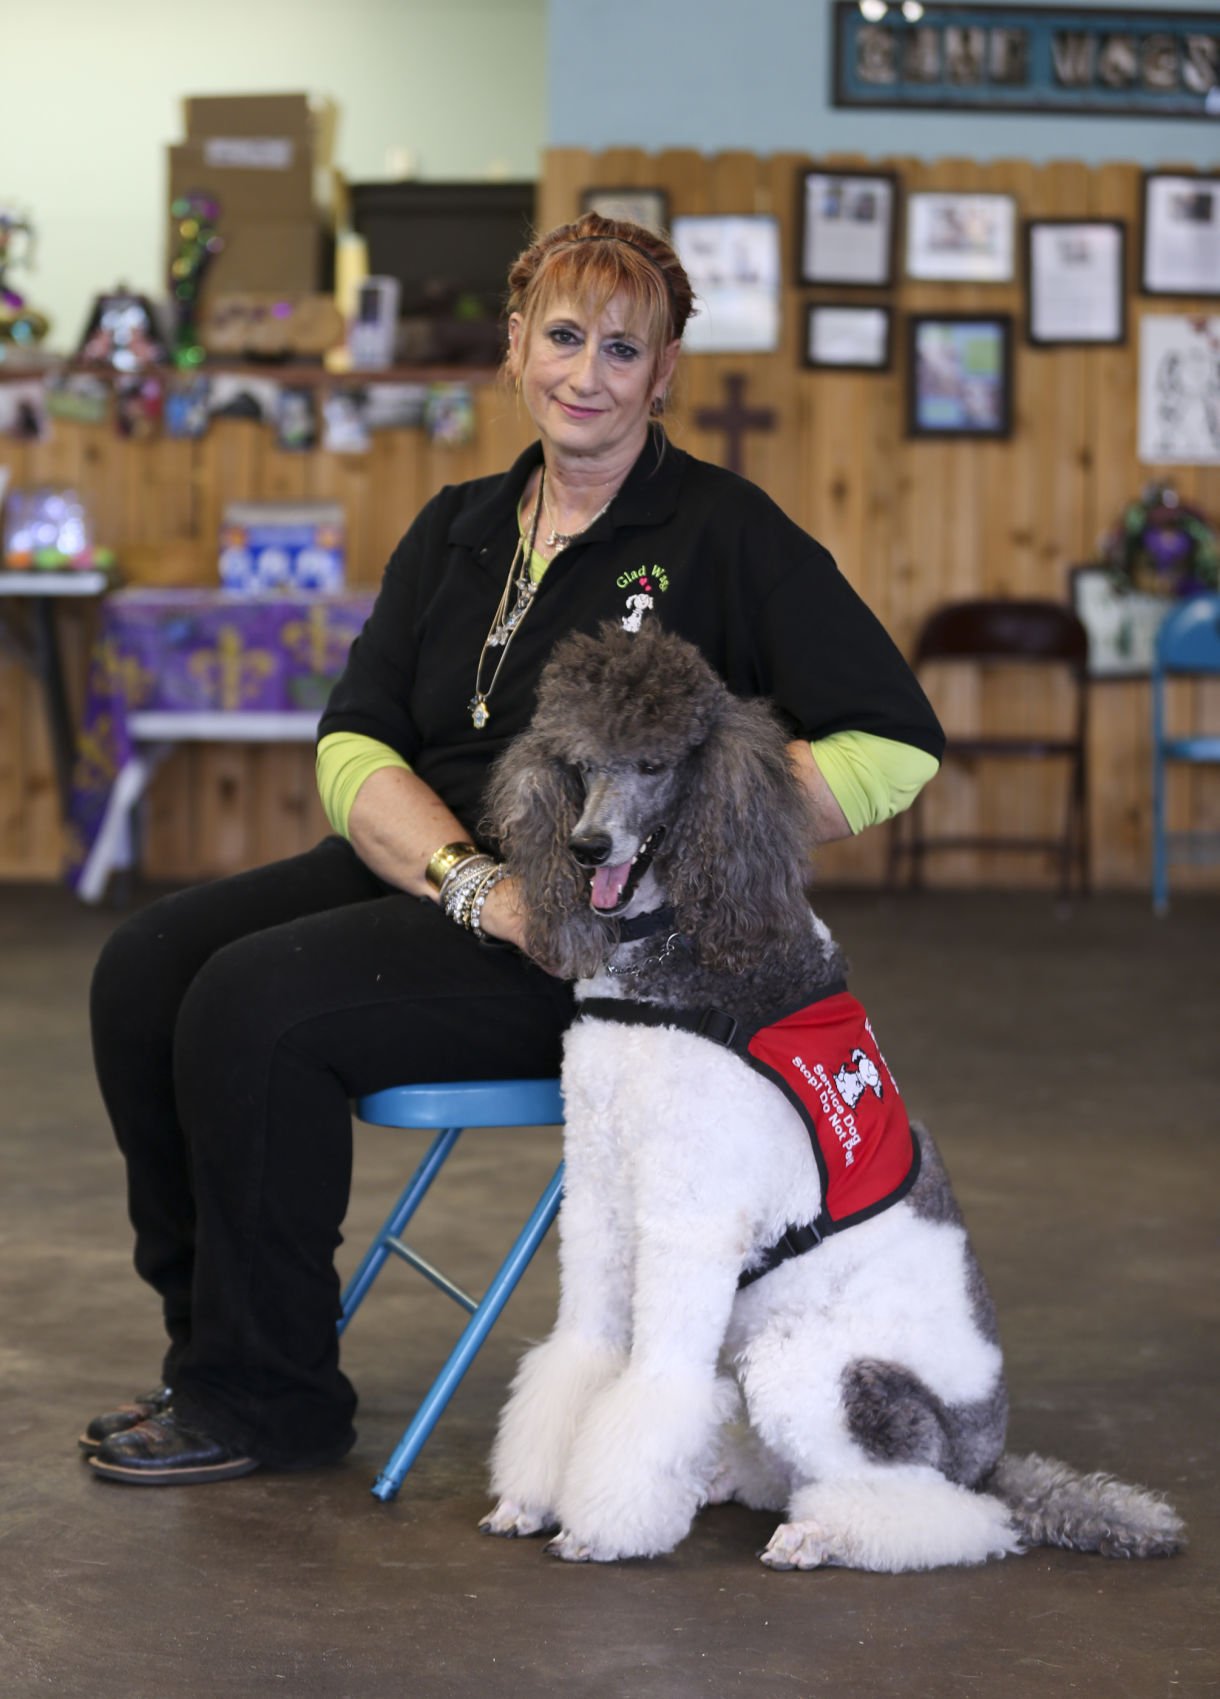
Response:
column 487, row 886
column 461, row 878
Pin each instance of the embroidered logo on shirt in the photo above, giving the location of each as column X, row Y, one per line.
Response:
column 643, row 584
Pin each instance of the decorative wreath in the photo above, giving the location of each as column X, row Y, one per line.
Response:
column 1162, row 546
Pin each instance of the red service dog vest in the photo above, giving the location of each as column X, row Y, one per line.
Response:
column 826, row 1061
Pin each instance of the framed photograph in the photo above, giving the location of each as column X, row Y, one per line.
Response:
column 849, row 337
column 848, row 225
column 1179, row 390
column 959, row 378
column 961, row 238
column 733, row 263
column 1122, row 625
column 1076, row 270
column 1181, row 235
column 649, row 207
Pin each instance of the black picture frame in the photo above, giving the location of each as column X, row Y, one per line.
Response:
column 828, row 311
column 848, row 223
column 961, row 236
column 647, row 206
column 1180, row 234
column 1058, row 316
column 950, row 393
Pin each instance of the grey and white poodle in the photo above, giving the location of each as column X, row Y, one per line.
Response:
column 767, row 1292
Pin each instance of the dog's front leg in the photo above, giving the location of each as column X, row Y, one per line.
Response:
column 557, row 1379
column 641, row 1457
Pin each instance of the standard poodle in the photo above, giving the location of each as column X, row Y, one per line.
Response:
column 767, row 1292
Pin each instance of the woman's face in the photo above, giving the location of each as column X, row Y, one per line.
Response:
column 588, row 379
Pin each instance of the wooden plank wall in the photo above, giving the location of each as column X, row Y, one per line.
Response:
column 914, row 523
column 911, row 524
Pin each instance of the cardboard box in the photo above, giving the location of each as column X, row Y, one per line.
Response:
column 309, row 121
column 281, row 187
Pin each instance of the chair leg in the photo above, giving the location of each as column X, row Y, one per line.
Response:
column 479, row 1326
column 402, row 1212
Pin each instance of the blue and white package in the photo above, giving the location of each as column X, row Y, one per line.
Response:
column 269, row 545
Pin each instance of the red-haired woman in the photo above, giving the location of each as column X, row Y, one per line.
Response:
column 234, row 1022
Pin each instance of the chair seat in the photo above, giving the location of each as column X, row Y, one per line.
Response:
column 468, row 1103
column 1191, row 748
column 450, row 1109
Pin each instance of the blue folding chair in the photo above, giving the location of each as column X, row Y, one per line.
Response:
column 1187, row 643
column 480, row 1103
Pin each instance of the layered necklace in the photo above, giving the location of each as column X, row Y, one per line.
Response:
column 517, row 598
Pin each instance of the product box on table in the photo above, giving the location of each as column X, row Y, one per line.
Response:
column 282, row 546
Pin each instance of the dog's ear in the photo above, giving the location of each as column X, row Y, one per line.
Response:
column 533, row 802
column 739, row 858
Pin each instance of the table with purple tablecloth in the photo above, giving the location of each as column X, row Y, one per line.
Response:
column 171, row 666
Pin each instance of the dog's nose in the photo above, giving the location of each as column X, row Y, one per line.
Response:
column 592, row 849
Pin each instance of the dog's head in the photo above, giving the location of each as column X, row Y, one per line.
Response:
column 643, row 779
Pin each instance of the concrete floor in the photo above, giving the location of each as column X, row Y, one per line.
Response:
column 1070, row 1069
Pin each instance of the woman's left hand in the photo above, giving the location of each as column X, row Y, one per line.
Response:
column 502, row 915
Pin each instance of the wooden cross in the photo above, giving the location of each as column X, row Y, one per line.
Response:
column 735, row 419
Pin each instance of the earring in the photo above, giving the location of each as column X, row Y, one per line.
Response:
column 658, row 406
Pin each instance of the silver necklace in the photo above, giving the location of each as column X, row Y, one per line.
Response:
column 506, row 620
column 560, row 539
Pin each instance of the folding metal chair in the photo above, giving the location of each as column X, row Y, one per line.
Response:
column 451, row 1108
column 1026, row 633
column 1188, row 643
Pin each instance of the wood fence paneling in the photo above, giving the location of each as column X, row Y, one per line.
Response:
column 911, row 523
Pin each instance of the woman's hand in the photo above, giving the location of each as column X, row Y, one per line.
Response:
column 503, row 916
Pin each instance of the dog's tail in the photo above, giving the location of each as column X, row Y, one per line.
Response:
column 1052, row 1504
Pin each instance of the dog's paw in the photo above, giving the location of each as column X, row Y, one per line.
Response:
column 513, row 1521
column 570, row 1549
column 798, row 1545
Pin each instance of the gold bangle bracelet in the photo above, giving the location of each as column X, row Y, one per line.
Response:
column 444, row 861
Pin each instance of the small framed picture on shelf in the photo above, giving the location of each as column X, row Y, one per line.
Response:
column 649, row 207
column 848, row 225
column 959, row 375
column 849, row 337
column 1180, row 250
column 1076, row 276
column 961, row 238
column 733, row 263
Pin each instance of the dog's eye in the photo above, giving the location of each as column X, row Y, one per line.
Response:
column 648, row 767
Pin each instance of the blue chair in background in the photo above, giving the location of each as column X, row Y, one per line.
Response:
column 451, row 1108
column 1188, row 644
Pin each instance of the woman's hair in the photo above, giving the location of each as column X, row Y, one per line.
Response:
column 593, row 259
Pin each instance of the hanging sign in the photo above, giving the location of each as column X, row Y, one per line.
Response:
column 1086, row 61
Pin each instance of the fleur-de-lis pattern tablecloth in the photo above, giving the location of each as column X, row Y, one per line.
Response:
column 195, row 651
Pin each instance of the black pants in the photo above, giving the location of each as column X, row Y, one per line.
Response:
column 232, row 1025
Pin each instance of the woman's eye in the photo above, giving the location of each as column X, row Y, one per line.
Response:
column 623, row 351
column 562, row 336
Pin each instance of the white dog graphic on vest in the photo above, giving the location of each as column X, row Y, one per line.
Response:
column 851, row 1084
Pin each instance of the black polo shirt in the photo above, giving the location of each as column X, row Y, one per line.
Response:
column 714, row 560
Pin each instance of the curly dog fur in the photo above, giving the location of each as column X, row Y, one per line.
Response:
column 857, row 1388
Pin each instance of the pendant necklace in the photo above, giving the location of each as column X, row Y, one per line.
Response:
column 506, row 619
column 560, row 539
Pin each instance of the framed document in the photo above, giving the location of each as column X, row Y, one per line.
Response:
column 1076, row 271
column 961, row 238
column 1181, row 235
column 733, row 264
column 847, row 225
column 959, row 381
column 848, row 337
column 649, row 207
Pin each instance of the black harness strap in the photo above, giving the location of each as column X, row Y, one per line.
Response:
column 724, row 1029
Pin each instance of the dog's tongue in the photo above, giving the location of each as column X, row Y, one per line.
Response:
column 608, row 883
